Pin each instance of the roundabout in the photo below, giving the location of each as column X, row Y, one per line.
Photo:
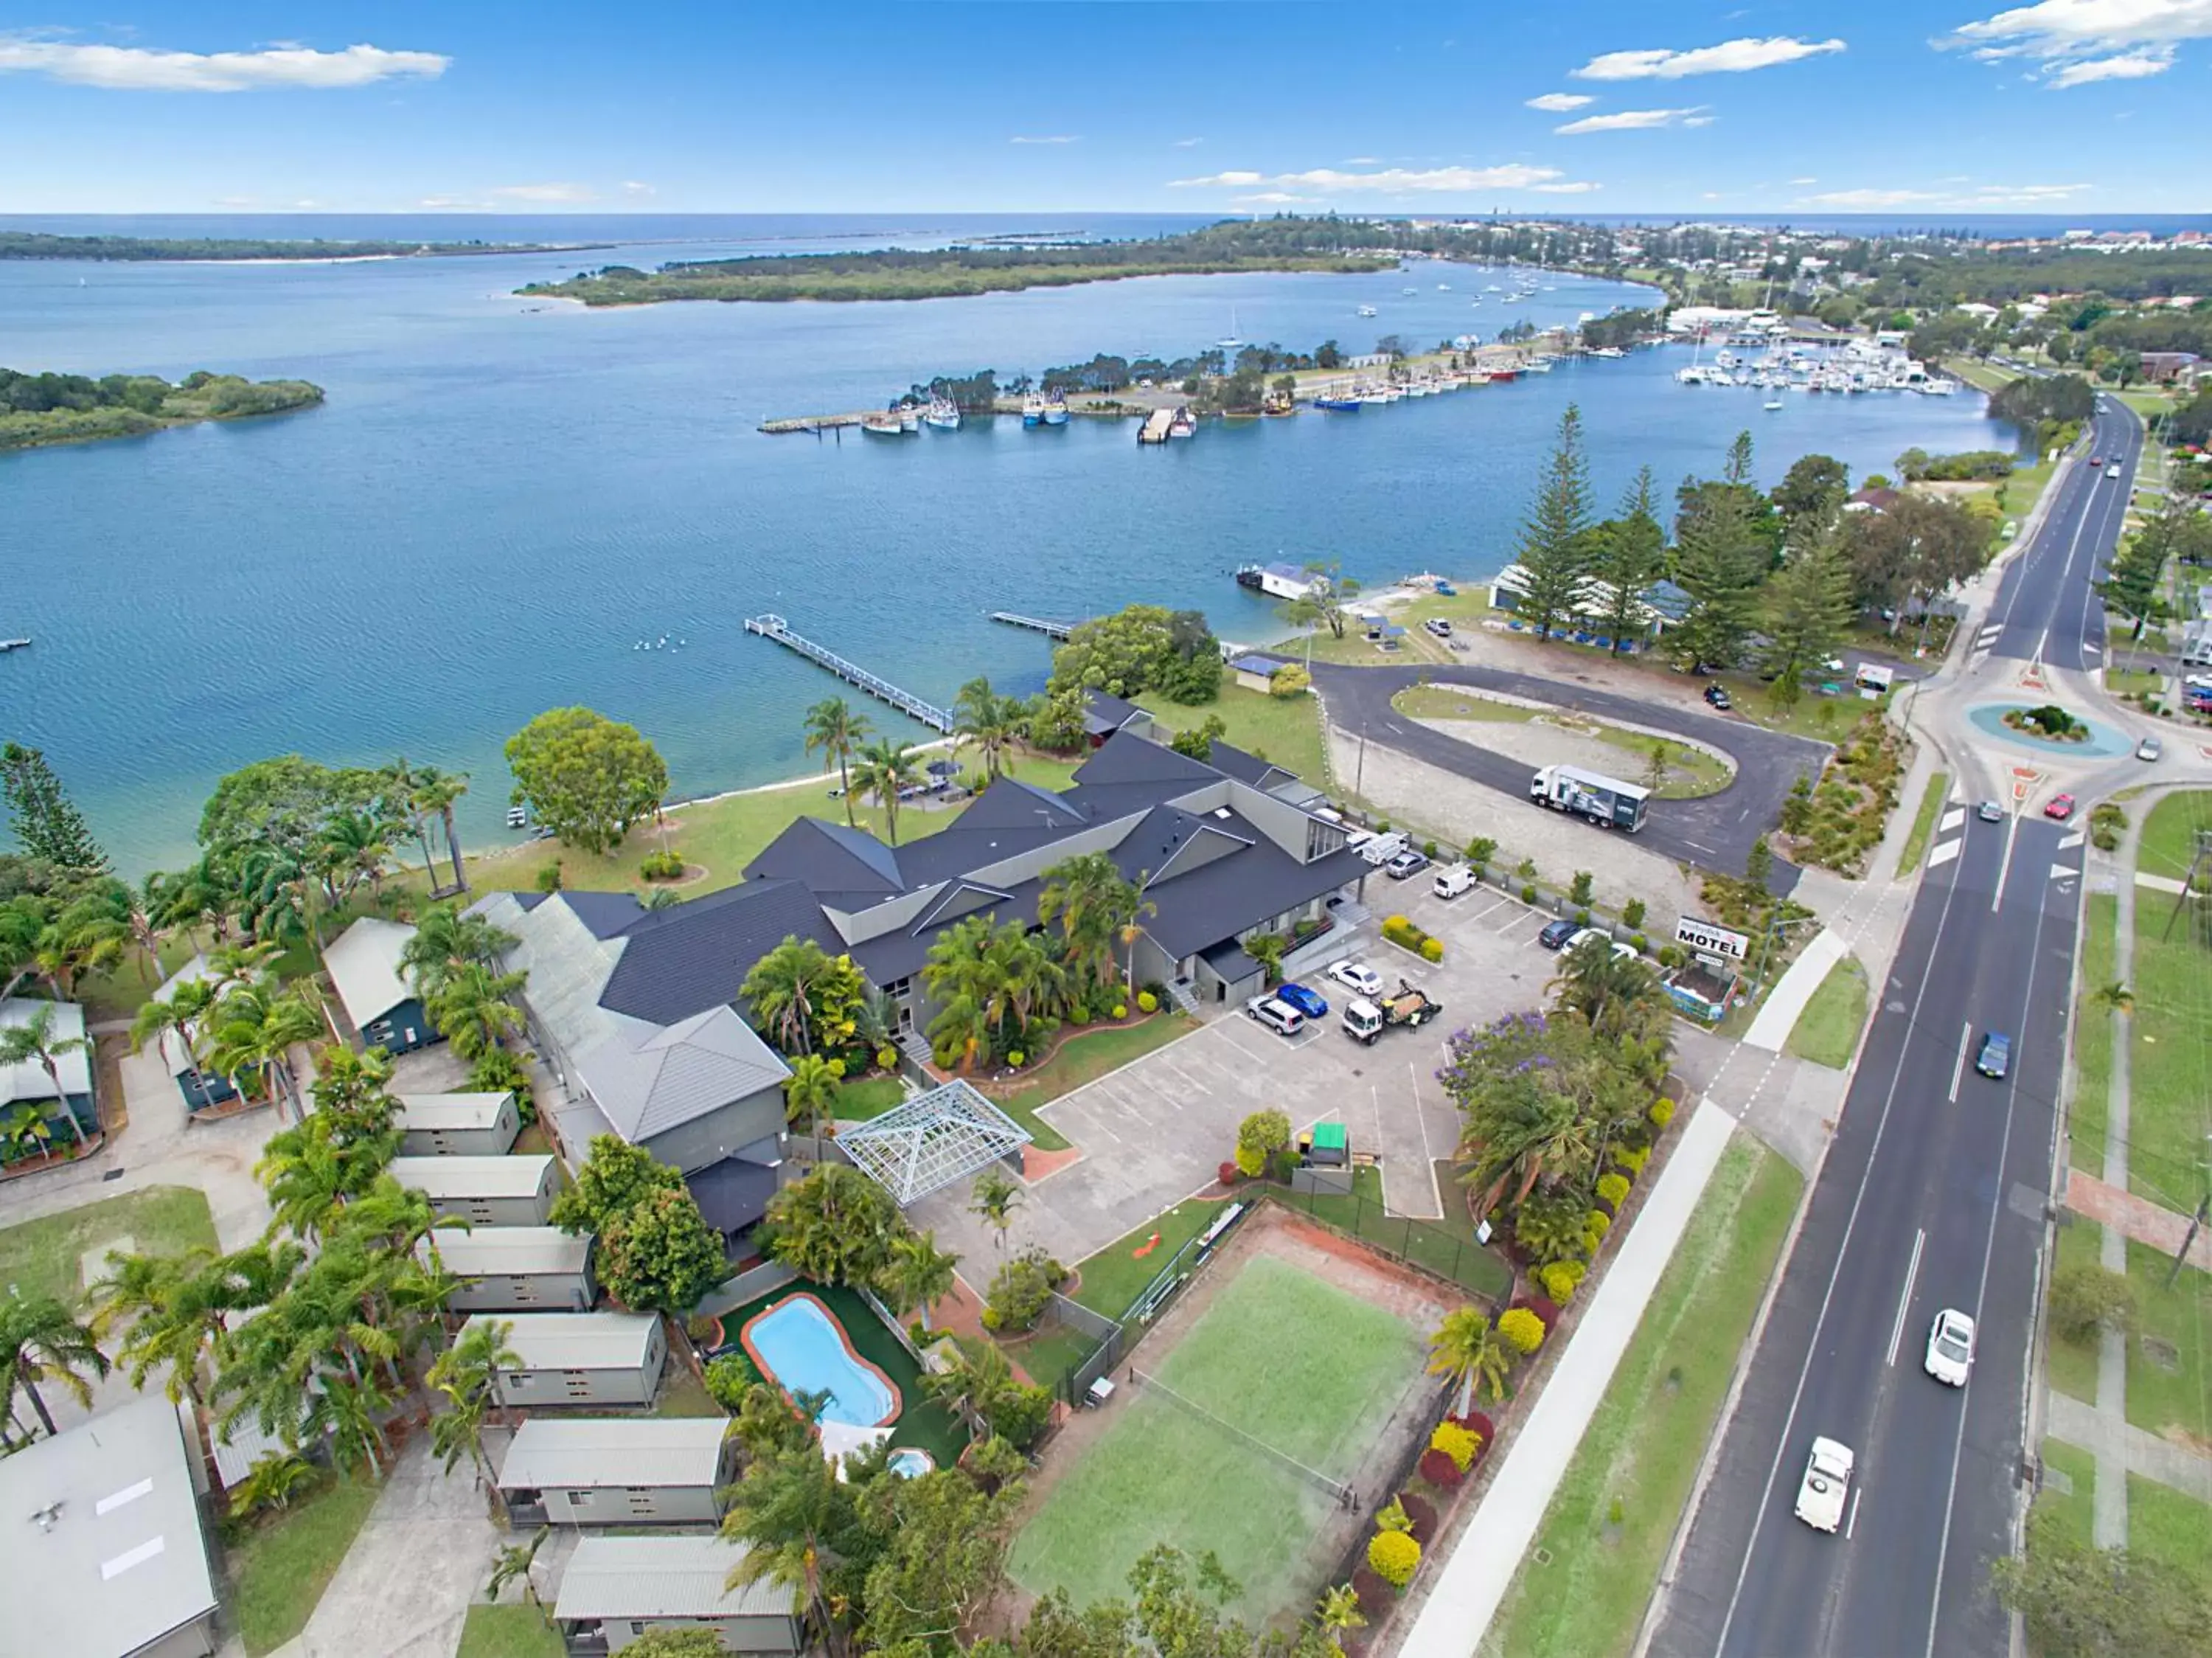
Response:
column 2099, row 740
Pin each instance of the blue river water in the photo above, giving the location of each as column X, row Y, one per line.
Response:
column 502, row 498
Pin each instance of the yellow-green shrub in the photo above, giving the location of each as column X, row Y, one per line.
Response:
column 1393, row 1517
column 1662, row 1113
column 1394, row 1555
column 1561, row 1279
column 1613, row 1189
column 886, row 1058
column 1597, row 1221
column 1522, row 1329
column 1432, row 949
column 1458, row 1443
column 1147, row 1003
column 837, row 1068
column 1121, row 1010
column 1631, row 1159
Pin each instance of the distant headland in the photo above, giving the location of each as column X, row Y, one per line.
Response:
column 36, row 410
column 34, row 244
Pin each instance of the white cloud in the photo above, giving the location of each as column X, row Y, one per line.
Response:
column 544, row 192
column 1567, row 187
column 1729, row 57
column 1804, row 181
column 1363, row 160
column 632, row 187
column 2126, row 66
column 1269, row 198
column 1873, row 197
column 1699, row 120
column 1628, row 120
column 2026, row 195
column 1391, row 181
column 145, row 68
column 2079, row 42
column 441, row 204
column 1188, row 143
column 1050, row 138
column 1986, row 195
column 1558, row 103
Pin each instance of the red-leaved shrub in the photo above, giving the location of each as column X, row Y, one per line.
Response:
column 1375, row 1596
column 1479, row 1424
column 1440, row 1471
column 1544, row 1308
column 1229, row 1173
column 1422, row 1513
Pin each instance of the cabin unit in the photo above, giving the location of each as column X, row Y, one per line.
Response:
column 617, row 1590
column 516, row 1269
column 515, row 1191
column 618, row 1471
column 365, row 969
column 580, row 1358
column 70, row 1111
column 457, row 1124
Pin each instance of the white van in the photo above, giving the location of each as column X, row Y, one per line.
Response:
column 1450, row 883
column 1379, row 850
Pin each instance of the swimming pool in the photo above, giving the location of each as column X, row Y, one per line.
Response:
column 799, row 1344
column 909, row 1462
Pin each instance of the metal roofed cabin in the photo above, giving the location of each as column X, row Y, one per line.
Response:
column 202, row 1089
column 618, row 1471
column 28, row 1083
column 456, row 1124
column 616, row 1589
column 363, row 963
column 105, row 1556
column 516, row 1269
column 580, row 1358
column 514, row 1191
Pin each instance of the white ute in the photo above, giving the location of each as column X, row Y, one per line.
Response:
column 1826, row 1486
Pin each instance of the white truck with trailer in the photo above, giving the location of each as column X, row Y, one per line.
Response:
column 1606, row 802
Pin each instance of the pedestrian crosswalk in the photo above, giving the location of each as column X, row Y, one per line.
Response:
column 1985, row 641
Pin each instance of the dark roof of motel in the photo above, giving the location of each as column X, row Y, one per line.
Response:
column 1262, row 775
column 1103, row 711
column 690, row 957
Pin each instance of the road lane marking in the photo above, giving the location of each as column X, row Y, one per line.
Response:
column 1951, row 821
column 1944, row 852
column 2068, row 843
column 1905, row 1295
column 2012, row 835
column 1959, row 1069
column 1851, row 1526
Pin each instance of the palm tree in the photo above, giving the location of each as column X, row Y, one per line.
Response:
column 182, row 1015
column 275, row 895
column 437, row 791
column 994, row 1198
column 474, row 1011
column 920, row 1274
column 1339, row 1611
column 467, row 1374
column 957, row 975
column 355, row 846
column 35, row 1040
column 988, row 721
column 1603, row 987
column 446, row 940
column 41, row 1340
column 345, row 1408
column 1089, row 897
column 784, row 1510
column 513, row 1564
column 254, row 1030
column 835, row 728
column 885, row 767
column 809, row 1096
column 311, row 1171
column 1464, row 1348
column 786, row 991
column 974, row 1385
column 2115, row 997
column 242, row 963
column 169, row 1308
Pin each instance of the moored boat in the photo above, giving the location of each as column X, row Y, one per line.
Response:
column 943, row 413
column 880, row 426
column 1055, row 411
column 1033, row 409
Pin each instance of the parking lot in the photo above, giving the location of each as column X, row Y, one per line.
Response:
column 1155, row 1131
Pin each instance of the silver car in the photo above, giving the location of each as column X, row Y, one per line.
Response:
column 2150, row 749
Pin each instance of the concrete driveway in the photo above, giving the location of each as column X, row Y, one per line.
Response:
column 1156, row 1130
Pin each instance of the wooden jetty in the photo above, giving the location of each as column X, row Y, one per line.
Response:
column 776, row 629
column 1036, row 624
column 1156, row 427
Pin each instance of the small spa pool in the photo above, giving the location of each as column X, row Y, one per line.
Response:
column 911, row 1462
column 799, row 1344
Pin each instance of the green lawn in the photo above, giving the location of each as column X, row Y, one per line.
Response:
column 2092, row 1034
column 2072, row 1365
column 280, row 1569
column 683, row 1394
column 1309, row 1369
column 2170, row 1109
column 509, row 1632
column 1924, row 822
column 1115, row 1277
column 2122, row 682
column 2169, row 836
column 1084, row 1059
column 1284, row 729
column 42, row 1257
column 1824, row 719
column 1986, row 376
column 1691, row 772
column 1643, row 1445
column 2169, row 1383
column 1448, row 1251
column 2076, row 1510
column 2171, row 1528
column 1827, row 1032
column 871, row 1096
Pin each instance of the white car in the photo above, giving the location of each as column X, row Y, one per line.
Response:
column 1277, row 1017
column 2113, row 471
column 1355, row 977
column 2150, row 749
column 1826, row 1487
column 1950, row 1348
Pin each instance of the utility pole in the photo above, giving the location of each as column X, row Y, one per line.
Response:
column 2196, row 1225
column 2202, row 856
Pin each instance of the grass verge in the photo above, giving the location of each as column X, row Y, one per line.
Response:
column 2169, row 1385
column 518, row 1631
column 2169, row 833
column 1609, row 1524
column 2170, row 1526
column 1923, row 823
column 2169, row 1093
column 2092, row 1036
column 280, row 1569
column 2076, row 1510
column 42, row 1257
column 1827, row 1032
column 2071, row 1365
column 1085, row 1059
column 1284, row 729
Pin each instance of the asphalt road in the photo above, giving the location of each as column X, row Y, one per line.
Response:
column 1713, row 833
column 2046, row 609
column 1932, row 1197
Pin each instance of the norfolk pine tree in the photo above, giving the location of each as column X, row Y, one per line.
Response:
column 1554, row 553
column 1632, row 554
column 47, row 826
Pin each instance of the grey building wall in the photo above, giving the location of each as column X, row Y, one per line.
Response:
column 765, row 1635
column 531, row 1292
column 627, row 1385
column 192, row 1640
column 534, row 1210
column 494, row 1141
column 722, row 1132
column 624, row 1505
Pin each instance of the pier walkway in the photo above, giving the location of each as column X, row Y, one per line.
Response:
column 776, row 629
column 1036, row 624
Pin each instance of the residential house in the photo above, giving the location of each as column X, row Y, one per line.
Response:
column 616, row 1589
column 456, row 1124
column 618, row 1471
column 203, row 1090
column 514, row 1191
column 1658, row 608
column 28, row 1083
column 363, row 963
column 105, row 1557
column 1255, row 672
column 579, row 1358
column 515, row 1269
column 2169, row 368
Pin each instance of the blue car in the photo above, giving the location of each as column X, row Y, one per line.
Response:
column 1995, row 1057
column 1298, row 996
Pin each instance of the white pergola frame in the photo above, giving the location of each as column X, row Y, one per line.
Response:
column 934, row 1140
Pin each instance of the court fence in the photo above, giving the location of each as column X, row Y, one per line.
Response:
column 1150, row 1302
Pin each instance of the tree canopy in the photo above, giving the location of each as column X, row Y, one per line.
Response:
column 585, row 776
column 1141, row 648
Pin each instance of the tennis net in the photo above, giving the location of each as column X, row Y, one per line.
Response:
column 1152, row 1386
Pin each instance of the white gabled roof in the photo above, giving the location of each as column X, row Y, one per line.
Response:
column 518, row 1174
column 507, row 1251
column 615, row 1451
column 424, row 1111
column 29, row 1081
column 363, row 963
column 576, row 1341
column 649, row 1577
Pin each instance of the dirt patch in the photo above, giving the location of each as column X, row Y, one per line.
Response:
column 2161, row 1353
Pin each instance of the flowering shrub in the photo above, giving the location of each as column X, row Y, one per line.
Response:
column 1479, row 1425
column 1662, row 1113
column 1455, row 1443
column 1546, row 1309
column 1561, row 1279
column 1440, row 1471
column 1522, row 1329
column 1612, row 1191
column 1395, row 1556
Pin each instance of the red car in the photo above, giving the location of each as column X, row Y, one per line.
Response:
column 2096, row 461
column 2061, row 807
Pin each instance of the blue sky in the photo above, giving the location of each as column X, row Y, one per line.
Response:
column 1198, row 106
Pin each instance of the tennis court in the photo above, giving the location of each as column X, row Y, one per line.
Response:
column 1291, row 1370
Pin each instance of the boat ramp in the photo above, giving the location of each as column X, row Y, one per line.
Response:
column 778, row 630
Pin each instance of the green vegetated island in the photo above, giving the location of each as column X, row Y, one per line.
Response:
column 993, row 268
column 49, row 408
column 38, row 245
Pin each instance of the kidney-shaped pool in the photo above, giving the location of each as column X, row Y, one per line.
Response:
column 799, row 1345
